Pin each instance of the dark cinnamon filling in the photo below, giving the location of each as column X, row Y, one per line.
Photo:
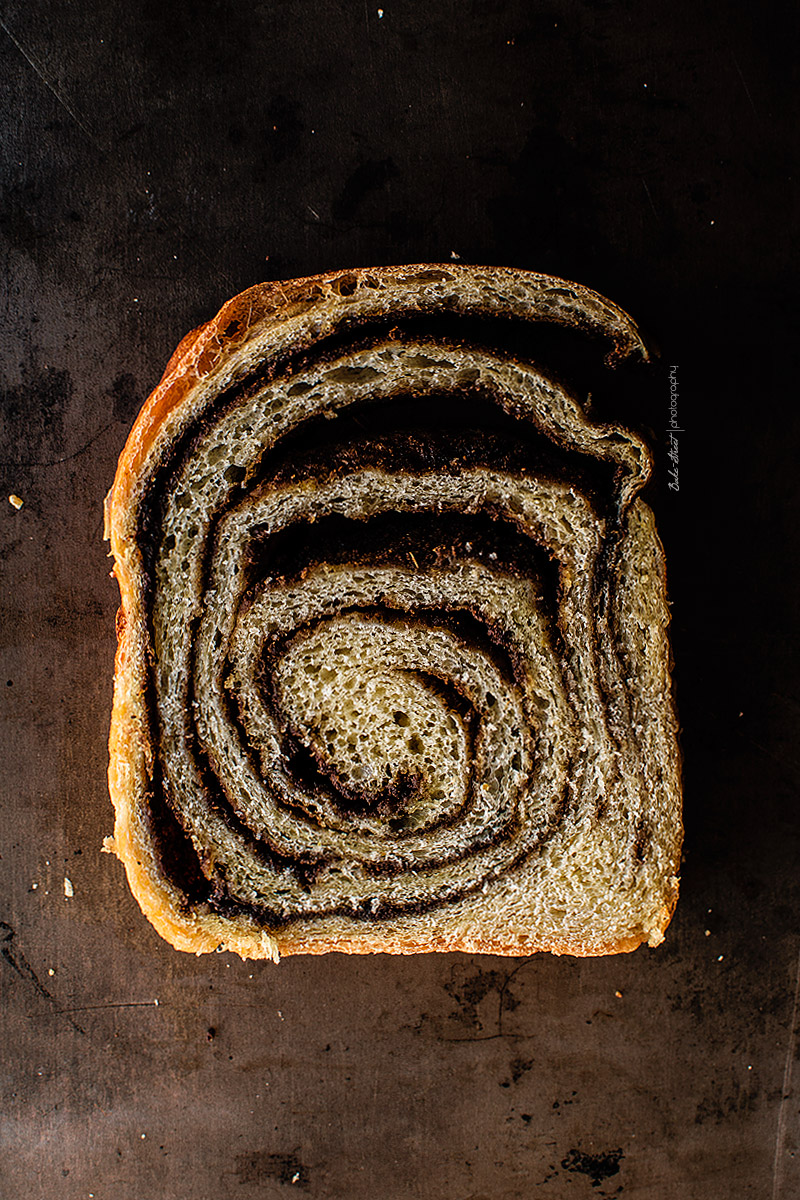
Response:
column 381, row 908
column 384, row 540
column 419, row 541
column 432, row 434
column 405, row 434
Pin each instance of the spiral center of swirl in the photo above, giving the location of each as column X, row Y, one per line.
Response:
column 375, row 723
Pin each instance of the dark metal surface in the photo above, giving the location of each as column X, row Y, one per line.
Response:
column 158, row 158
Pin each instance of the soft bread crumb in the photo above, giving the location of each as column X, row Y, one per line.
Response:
column 596, row 882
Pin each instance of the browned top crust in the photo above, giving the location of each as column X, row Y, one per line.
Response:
column 268, row 305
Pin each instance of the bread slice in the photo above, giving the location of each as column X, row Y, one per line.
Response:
column 393, row 668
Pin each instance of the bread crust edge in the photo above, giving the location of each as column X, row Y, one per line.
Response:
column 130, row 739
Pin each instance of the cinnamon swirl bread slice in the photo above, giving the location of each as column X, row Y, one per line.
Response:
column 392, row 669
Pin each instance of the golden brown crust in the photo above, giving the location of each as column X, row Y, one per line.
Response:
column 202, row 349
column 202, row 353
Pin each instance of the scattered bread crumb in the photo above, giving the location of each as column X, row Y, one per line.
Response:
column 69, row 890
column 16, row 500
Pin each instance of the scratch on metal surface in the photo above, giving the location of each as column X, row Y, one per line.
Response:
column 53, row 91
column 780, row 1133
column 649, row 197
column 121, row 1004
column 223, row 274
column 744, row 82
column 15, row 959
column 56, row 462
column 501, row 996
column 367, row 28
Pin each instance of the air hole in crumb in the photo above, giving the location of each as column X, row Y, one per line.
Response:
column 352, row 374
column 402, row 719
column 346, row 285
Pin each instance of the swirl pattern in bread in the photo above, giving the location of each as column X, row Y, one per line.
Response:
column 393, row 668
